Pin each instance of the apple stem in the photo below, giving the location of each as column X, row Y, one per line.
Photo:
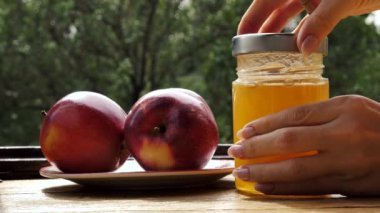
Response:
column 43, row 113
column 159, row 129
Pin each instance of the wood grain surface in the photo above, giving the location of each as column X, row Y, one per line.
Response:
column 46, row 195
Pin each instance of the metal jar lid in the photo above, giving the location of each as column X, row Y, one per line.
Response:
column 269, row 42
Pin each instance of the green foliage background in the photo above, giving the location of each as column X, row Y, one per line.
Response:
column 126, row 48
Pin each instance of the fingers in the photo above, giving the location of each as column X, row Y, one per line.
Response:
column 256, row 15
column 320, row 23
column 268, row 15
column 320, row 186
column 280, row 142
column 310, row 5
column 292, row 170
column 281, row 16
column 307, row 115
column 362, row 7
column 272, row 16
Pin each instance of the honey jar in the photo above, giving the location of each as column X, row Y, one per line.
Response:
column 272, row 75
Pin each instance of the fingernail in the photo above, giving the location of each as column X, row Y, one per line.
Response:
column 264, row 188
column 241, row 173
column 235, row 151
column 245, row 132
column 309, row 45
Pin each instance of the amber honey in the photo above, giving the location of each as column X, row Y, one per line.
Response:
column 254, row 101
column 273, row 76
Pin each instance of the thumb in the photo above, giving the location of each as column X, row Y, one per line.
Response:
column 319, row 24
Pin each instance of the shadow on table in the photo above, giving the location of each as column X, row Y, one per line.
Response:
column 317, row 202
column 78, row 192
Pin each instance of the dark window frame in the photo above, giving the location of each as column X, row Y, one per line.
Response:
column 24, row 162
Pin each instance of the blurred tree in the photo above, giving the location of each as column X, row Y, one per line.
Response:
column 125, row 48
column 120, row 48
column 352, row 64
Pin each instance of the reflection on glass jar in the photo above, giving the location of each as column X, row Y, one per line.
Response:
column 273, row 76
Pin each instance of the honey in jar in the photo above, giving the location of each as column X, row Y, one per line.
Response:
column 273, row 76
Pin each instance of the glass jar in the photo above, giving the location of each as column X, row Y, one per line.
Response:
column 272, row 76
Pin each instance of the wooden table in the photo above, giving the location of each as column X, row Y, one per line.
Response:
column 46, row 195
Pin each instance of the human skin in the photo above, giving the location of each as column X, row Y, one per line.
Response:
column 345, row 131
column 272, row 16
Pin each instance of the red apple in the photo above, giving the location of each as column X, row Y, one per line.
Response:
column 83, row 132
column 171, row 129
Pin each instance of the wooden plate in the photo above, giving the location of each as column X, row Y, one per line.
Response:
column 132, row 176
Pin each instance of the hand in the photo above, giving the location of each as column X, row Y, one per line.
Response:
column 273, row 15
column 344, row 130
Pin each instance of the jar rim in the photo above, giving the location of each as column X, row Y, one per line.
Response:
column 269, row 42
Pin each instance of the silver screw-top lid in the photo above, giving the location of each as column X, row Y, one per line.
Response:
column 269, row 42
